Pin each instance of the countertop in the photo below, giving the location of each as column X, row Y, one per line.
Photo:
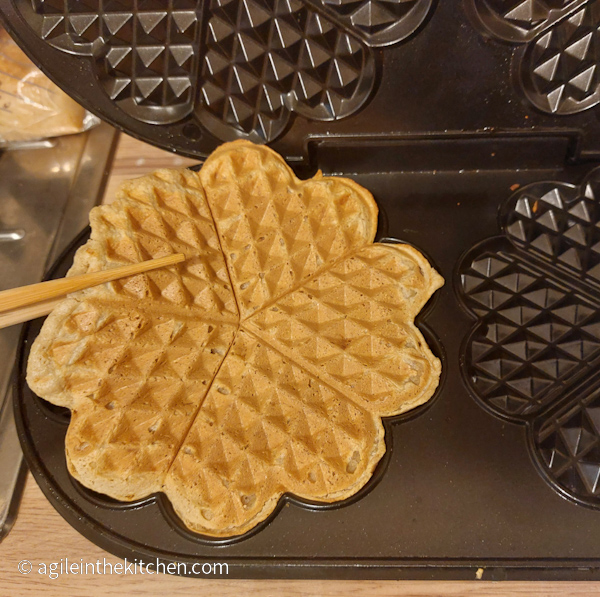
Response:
column 40, row 535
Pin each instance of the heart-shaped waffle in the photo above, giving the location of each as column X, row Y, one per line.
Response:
column 262, row 365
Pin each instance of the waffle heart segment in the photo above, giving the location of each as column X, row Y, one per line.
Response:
column 261, row 366
column 276, row 231
column 268, row 427
column 352, row 326
column 129, row 420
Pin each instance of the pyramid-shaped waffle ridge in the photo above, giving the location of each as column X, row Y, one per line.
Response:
column 558, row 68
column 237, row 68
column 534, row 355
column 261, row 365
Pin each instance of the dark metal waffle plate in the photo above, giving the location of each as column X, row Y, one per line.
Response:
column 516, row 326
column 189, row 74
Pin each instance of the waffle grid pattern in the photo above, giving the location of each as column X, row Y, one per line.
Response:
column 132, row 412
column 238, row 67
column 559, row 67
column 146, row 58
column 379, row 22
column 560, row 223
column 535, row 350
column 274, row 234
column 535, row 333
column 279, row 429
column 364, row 348
column 255, row 71
column 568, row 448
column 181, row 395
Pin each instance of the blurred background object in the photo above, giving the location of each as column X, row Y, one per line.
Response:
column 31, row 106
column 54, row 161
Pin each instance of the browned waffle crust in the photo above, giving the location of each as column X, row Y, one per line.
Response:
column 261, row 365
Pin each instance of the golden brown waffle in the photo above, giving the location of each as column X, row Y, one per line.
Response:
column 261, row 365
column 276, row 230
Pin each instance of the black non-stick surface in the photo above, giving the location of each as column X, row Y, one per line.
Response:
column 462, row 486
column 189, row 74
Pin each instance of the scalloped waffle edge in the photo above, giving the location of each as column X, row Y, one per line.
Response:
column 260, row 366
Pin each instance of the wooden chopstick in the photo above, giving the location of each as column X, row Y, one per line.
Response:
column 35, row 300
column 29, row 312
